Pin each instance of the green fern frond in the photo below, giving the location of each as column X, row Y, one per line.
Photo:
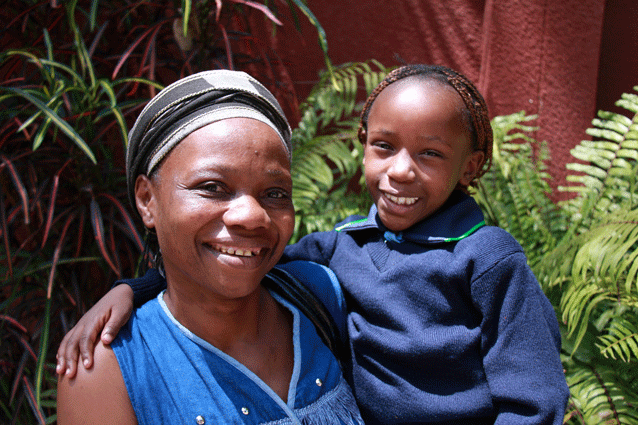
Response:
column 621, row 340
column 609, row 165
column 513, row 194
column 595, row 268
column 326, row 153
column 584, row 251
column 600, row 395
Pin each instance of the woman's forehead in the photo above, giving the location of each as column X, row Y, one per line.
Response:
column 234, row 144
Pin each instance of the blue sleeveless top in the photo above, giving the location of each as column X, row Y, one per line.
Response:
column 174, row 377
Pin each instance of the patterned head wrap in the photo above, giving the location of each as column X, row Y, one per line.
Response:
column 192, row 103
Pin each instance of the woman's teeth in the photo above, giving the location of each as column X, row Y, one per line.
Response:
column 401, row 200
column 238, row 252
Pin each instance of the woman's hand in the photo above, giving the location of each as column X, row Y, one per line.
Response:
column 108, row 315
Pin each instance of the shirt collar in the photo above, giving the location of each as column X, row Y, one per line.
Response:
column 458, row 218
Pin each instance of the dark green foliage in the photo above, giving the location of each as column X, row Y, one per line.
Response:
column 513, row 193
column 584, row 252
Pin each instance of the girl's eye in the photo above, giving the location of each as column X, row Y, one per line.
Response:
column 383, row 145
column 431, row 153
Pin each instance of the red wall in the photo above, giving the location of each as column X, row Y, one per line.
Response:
column 559, row 59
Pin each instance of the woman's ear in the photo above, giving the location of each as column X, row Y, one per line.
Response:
column 472, row 164
column 145, row 200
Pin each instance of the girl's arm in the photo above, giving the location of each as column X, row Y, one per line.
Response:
column 107, row 316
column 110, row 313
column 96, row 396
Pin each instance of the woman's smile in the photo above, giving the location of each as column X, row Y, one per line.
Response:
column 222, row 207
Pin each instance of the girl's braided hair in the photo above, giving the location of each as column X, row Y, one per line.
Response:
column 475, row 111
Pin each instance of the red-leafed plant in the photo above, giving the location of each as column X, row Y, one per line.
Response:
column 74, row 74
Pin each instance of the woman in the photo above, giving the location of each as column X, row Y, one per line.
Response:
column 208, row 168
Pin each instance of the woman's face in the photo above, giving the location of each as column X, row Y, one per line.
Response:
column 221, row 204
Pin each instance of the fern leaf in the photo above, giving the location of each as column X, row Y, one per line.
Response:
column 621, row 341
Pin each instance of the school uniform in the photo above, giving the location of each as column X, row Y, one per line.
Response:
column 447, row 323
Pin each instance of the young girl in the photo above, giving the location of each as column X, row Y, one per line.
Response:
column 446, row 322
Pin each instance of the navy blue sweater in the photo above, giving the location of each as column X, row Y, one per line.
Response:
column 447, row 322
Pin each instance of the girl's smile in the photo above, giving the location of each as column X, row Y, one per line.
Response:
column 417, row 149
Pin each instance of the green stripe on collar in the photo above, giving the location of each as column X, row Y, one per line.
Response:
column 466, row 234
column 352, row 223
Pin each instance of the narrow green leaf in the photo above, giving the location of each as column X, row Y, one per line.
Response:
column 55, row 118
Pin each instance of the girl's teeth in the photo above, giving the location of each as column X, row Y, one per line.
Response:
column 401, row 200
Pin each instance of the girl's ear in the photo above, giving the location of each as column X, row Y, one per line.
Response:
column 472, row 164
column 145, row 200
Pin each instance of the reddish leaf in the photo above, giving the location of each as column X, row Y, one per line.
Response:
column 14, row 322
column 229, row 55
column 54, row 193
column 19, row 375
column 56, row 253
column 35, row 405
column 128, row 220
column 98, row 231
column 22, row 191
column 132, row 47
column 263, row 8
column 4, row 226
column 26, row 345
column 78, row 247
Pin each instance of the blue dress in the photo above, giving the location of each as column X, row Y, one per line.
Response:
column 173, row 376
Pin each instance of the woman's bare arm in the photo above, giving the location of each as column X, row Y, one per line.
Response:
column 97, row 396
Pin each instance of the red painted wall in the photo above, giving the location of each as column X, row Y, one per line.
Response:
column 562, row 60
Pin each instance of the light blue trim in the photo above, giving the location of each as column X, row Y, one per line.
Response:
column 390, row 236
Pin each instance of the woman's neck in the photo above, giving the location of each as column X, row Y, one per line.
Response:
column 254, row 330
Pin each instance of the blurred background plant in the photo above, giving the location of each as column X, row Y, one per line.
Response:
column 74, row 75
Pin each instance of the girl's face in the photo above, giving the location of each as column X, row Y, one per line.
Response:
column 417, row 149
column 222, row 209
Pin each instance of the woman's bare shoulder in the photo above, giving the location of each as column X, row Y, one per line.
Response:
column 97, row 395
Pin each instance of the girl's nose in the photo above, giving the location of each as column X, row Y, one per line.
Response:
column 402, row 167
column 247, row 212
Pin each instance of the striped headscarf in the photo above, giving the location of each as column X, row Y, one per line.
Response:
column 192, row 103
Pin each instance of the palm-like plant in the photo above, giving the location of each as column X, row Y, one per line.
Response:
column 61, row 194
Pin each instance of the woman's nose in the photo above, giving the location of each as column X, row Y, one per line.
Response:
column 247, row 212
column 402, row 167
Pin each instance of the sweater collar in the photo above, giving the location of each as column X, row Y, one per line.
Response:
column 458, row 218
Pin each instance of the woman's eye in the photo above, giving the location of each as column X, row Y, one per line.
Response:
column 432, row 153
column 278, row 194
column 212, row 187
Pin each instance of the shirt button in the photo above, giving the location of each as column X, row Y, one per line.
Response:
column 318, row 382
column 245, row 410
column 200, row 420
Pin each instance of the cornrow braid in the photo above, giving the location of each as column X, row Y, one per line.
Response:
column 475, row 106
